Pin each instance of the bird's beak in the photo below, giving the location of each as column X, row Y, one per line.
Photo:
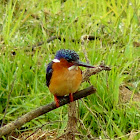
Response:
column 79, row 63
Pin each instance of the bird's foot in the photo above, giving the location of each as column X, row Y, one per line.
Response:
column 56, row 101
column 71, row 97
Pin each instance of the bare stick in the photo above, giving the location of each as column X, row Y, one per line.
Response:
column 88, row 72
column 49, row 107
column 72, row 108
column 42, row 110
column 88, row 37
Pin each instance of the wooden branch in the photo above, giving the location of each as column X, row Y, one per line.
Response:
column 88, row 72
column 89, row 37
column 42, row 110
column 49, row 107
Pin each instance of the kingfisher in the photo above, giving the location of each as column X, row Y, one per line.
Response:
column 63, row 75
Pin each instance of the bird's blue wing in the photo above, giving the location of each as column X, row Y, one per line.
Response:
column 49, row 71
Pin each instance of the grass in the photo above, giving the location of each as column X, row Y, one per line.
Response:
column 116, row 23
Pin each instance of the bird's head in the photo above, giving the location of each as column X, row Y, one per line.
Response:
column 71, row 57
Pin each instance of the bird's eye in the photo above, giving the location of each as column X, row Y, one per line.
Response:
column 69, row 60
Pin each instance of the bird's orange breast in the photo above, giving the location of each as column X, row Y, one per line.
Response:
column 63, row 80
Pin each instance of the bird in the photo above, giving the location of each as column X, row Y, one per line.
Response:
column 63, row 75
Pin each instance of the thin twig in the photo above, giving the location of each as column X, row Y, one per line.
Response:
column 90, row 38
column 131, row 133
column 87, row 73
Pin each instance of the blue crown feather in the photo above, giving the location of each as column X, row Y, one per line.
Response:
column 69, row 55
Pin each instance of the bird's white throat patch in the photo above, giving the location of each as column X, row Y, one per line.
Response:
column 73, row 67
column 56, row 60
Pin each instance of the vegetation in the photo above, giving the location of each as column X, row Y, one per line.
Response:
column 114, row 111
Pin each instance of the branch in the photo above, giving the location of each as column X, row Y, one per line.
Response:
column 89, row 37
column 42, row 110
column 37, row 45
column 88, row 72
column 49, row 107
